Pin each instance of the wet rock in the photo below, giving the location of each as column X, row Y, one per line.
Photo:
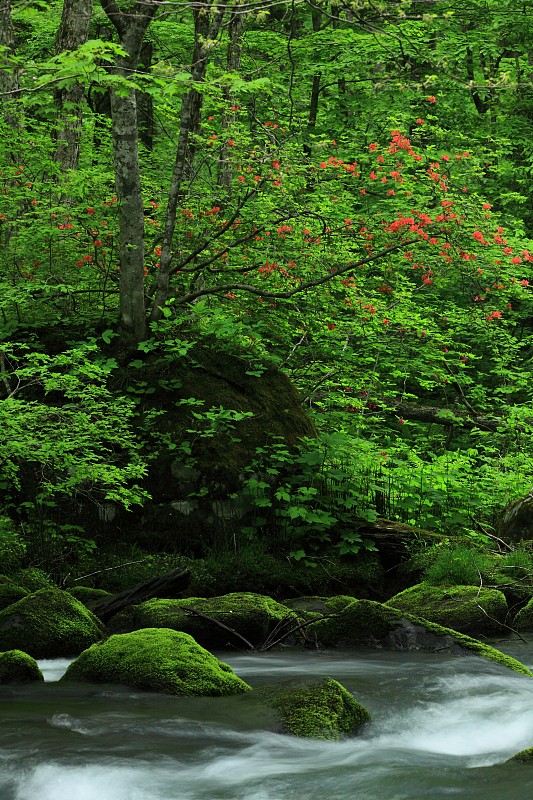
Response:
column 365, row 623
column 314, row 708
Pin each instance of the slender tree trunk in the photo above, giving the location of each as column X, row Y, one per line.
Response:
column 233, row 62
column 73, row 32
column 207, row 24
column 131, row 28
column 9, row 78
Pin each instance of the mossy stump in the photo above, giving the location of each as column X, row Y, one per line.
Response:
column 157, row 660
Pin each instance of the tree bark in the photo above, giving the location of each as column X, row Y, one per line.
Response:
column 9, row 78
column 73, row 32
column 168, row 585
column 131, row 28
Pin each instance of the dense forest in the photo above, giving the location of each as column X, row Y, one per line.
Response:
column 265, row 277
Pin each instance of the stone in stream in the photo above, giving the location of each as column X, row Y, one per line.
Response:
column 235, row 620
column 49, row 623
column 468, row 609
column 314, row 708
column 157, row 660
column 18, row 667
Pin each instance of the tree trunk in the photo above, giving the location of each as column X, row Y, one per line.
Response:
column 9, row 78
column 131, row 28
column 73, row 32
column 163, row 586
column 233, row 62
column 207, row 24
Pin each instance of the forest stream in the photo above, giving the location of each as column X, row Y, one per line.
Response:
column 440, row 726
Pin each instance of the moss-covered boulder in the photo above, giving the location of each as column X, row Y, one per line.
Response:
column 48, row 624
column 157, row 660
column 468, row 609
column 18, row 667
column 10, row 592
column 365, row 623
column 315, row 708
column 524, row 619
column 235, row 620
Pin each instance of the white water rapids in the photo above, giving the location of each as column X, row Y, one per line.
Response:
column 440, row 726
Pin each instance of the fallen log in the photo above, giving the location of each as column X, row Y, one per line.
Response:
column 168, row 585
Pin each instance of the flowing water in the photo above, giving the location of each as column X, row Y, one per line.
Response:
column 441, row 727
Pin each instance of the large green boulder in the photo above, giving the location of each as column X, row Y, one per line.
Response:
column 235, row 620
column 365, row 623
column 157, row 660
column 18, row 667
column 315, row 708
column 468, row 609
column 48, row 624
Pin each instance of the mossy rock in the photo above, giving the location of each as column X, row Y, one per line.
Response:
column 468, row 609
column 314, row 708
column 18, row 667
column 86, row 594
column 253, row 616
column 10, row 592
column 524, row 756
column 157, row 660
column 524, row 619
column 365, row 623
column 48, row 624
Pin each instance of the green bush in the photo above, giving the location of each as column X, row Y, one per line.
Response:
column 457, row 565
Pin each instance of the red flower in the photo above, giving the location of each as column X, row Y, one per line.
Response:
column 331, row 326
column 432, row 99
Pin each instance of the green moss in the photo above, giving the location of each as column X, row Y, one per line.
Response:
column 253, row 616
column 463, row 608
column 18, row 667
column 316, row 709
column 10, row 592
column 526, row 756
column 156, row 659
column 47, row 624
column 367, row 623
